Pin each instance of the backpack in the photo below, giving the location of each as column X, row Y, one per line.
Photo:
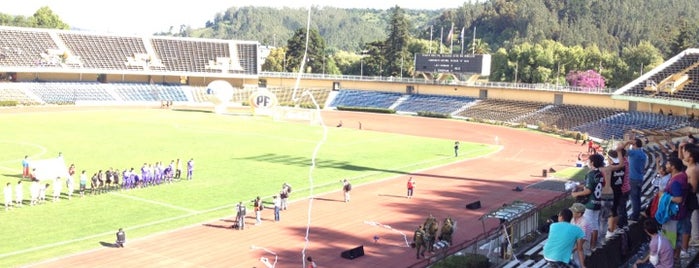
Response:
column 348, row 187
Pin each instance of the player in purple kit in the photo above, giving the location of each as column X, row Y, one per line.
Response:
column 144, row 174
column 125, row 178
column 168, row 171
column 159, row 173
column 190, row 168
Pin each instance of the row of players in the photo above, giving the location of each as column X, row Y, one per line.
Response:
column 100, row 182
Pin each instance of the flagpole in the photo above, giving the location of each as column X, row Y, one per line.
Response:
column 450, row 37
column 462, row 39
column 441, row 39
column 431, row 39
column 474, row 41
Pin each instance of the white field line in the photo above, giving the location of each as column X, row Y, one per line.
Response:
column 61, row 243
column 18, row 161
column 153, row 202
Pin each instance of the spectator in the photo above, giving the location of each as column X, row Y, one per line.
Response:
column 689, row 153
column 563, row 239
column 660, row 255
column 578, row 210
column 615, row 173
column 591, row 195
column 637, row 161
column 678, row 228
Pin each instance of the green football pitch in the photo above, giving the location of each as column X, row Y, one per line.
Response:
column 237, row 158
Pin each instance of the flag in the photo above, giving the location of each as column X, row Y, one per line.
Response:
column 451, row 33
column 461, row 36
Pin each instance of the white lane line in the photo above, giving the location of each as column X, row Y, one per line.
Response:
column 154, row 202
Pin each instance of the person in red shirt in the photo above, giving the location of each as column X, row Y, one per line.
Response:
column 411, row 186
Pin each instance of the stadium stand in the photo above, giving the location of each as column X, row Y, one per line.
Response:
column 15, row 92
column 69, row 92
column 363, row 98
column 22, row 48
column 674, row 79
column 433, row 103
column 104, row 52
column 568, row 116
column 148, row 92
column 616, row 125
column 501, row 110
column 180, row 55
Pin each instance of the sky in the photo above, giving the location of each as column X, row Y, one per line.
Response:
column 145, row 17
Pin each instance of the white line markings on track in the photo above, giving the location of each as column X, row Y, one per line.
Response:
column 154, row 202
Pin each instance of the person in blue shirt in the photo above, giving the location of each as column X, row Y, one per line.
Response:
column 637, row 162
column 25, row 167
column 564, row 238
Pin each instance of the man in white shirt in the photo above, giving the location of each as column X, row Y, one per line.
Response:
column 57, row 189
column 19, row 194
column 8, row 196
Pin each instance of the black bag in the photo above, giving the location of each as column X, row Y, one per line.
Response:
column 692, row 202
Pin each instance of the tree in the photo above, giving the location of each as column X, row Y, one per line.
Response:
column 275, row 61
column 686, row 38
column 373, row 63
column 316, row 59
column 639, row 58
column 396, row 46
column 45, row 18
column 478, row 47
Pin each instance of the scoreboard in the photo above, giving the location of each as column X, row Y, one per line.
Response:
column 453, row 63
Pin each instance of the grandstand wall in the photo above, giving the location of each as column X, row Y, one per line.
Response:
column 131, row 78
column 572, row 98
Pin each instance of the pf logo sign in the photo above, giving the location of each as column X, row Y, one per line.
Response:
column 262, row 99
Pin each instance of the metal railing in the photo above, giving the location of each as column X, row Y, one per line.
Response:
column 410, row 80
column 471, row 245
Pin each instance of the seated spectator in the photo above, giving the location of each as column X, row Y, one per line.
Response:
column 661, row 252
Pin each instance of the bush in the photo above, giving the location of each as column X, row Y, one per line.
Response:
column 468, row 260
column 8, row 103
column 366, row 109
column 433, row 114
